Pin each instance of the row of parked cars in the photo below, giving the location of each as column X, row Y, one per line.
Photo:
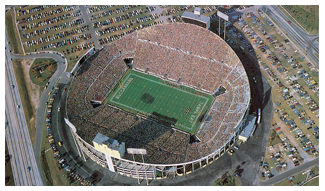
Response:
column 311, row 83
column 49, row 21
column 50, row 136
column 80, row 47
column 250, row 34
column 294, row 83
column 111, row 29
column 62, row 34
column 111, row 38
column 294, row 129
column 35, row 42
column 295, row 106
column 288, row 148
column 46, row 13
column 53, row 143
column 122, row 25
column 46, row 39
column 126, row 14
column 23, row 11
column 177, row 9
column 96, row 8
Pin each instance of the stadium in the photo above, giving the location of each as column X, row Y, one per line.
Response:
column 176, row 90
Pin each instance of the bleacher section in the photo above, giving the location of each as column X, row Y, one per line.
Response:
column 180, row 52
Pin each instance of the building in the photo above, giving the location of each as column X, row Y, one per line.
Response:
column 196, row 18
column 109, row 146
column 249, row 128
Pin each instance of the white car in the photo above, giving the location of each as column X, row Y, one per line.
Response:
column 235, row 147
column 59, row 108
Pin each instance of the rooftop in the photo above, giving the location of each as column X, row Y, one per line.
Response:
column 102, row 139
column 249, row 126
column 191, row 15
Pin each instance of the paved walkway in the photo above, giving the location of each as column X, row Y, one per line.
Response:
column 158, row 10
column 94, row 38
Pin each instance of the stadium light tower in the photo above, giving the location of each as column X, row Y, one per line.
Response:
column 141, row 152
column 225, row 17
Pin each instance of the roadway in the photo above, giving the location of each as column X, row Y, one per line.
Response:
column 24, row 167
column 60, row 75
column 289, row 173
column 62, row 65
column 86, row 16
column 305, row 42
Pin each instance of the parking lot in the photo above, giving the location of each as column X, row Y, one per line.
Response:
column 294, row 89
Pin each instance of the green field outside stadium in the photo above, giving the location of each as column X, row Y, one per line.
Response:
column 170, row 104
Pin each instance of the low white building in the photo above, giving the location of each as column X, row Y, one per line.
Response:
column 109, row 146
column 249, row 128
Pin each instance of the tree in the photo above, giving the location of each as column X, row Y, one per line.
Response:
column 51, row 68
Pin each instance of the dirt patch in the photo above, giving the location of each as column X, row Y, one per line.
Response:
column 33, row 89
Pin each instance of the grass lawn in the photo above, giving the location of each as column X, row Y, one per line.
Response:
column 9, row 180
column 306, row 15
column 314, row 182
column 25, row 99
column 168, row 103
column 12, row 32
column 273, row 138
column 227, row 180
column 300, row 178
column 41, row 70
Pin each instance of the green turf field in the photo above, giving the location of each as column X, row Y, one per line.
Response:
column 170, row 104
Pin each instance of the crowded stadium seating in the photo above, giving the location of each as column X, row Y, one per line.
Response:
column 181, row 52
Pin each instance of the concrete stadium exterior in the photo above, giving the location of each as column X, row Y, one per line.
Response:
column 221, row 124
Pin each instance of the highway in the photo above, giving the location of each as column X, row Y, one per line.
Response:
column 305, row 42
column 62, row 66
column 24, row 168
column 19, row 160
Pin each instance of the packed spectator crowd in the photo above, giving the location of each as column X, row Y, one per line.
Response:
column 169, row 60
column 190, row 57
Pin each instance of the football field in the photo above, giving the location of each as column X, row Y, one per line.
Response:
column 174, row 105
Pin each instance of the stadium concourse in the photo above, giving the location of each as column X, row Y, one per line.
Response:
column 179, row 53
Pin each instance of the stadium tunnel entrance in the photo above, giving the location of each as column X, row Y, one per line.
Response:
column 129, row 62
column 221, row 90
column 95, row 103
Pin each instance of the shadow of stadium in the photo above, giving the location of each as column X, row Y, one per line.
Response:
column 85, row 65
column 260, row 91
column 141, row 133
column 151, row 138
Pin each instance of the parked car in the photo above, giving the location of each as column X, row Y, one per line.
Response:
column 230, row 151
